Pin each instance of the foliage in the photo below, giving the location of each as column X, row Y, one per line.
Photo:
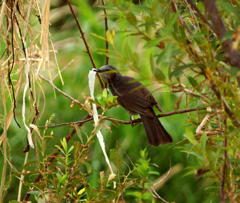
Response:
column 187, row 56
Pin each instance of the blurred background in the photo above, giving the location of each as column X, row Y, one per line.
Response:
column 144, row 42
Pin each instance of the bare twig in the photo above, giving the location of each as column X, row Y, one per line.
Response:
column 106, row 29
column 202, row 124
column 60, row 91
column 84, row 40
column 67, row 123
column 82, row 34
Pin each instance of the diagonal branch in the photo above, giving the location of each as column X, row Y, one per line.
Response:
column 82, row 34
column 84, row 40
column 60, row 91
column 106, row 29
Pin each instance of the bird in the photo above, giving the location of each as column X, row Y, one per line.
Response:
column 136, row 99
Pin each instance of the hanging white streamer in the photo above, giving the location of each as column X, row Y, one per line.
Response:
column 29, row 135
column 91, row 82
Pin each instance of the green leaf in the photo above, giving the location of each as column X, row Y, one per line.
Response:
column 61, row 178
column 203, row 142
column 131, row 18
column 192, row 81
column 190, row 136
column 105, row 94
column 134, row 194
column 159, row 74
column 232, row 70
column 60, row 149
column 64, row 144
column 179, row 70
column 228, row 35
column 152, row 43
column 147, row 196
column 80, row 192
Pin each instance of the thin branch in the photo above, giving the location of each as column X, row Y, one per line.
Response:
column 159, row 115
column 67, row 123
column 106, row 29
column 122, row 121
column 60, row 91
column 199, row 130
column 82, row 34
column 84, row 40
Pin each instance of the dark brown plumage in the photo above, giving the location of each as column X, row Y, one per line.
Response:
column 135, row 98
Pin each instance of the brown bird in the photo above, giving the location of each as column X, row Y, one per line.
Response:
column 136, row 99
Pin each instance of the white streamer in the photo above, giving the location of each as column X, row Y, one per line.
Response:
column 29, row 135
column 91, row 82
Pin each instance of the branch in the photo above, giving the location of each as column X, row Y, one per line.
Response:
column 122, row 121
column 84, row 40
column 82, row 33
column 159, row 115
column 67, row 123
column 106, row 29
column 60, row 91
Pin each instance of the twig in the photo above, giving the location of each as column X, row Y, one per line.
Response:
column 122, row 121
column 159, row 115
column 84, row 40
column 106, row 29
column 202, row 124
column 82, row 33
column 60, row 91
column 67, row 123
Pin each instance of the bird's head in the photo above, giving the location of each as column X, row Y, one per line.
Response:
column 107, row 72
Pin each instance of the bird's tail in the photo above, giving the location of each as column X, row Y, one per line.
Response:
column 156, row 133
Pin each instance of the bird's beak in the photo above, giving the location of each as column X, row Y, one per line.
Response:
column 101, row 70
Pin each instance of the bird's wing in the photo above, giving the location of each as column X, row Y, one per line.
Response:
column 135, row 104
column 132, row 95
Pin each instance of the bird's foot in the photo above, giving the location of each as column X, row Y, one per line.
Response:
column 131, row 121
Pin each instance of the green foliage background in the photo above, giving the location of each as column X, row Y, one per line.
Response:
column 148, row 42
